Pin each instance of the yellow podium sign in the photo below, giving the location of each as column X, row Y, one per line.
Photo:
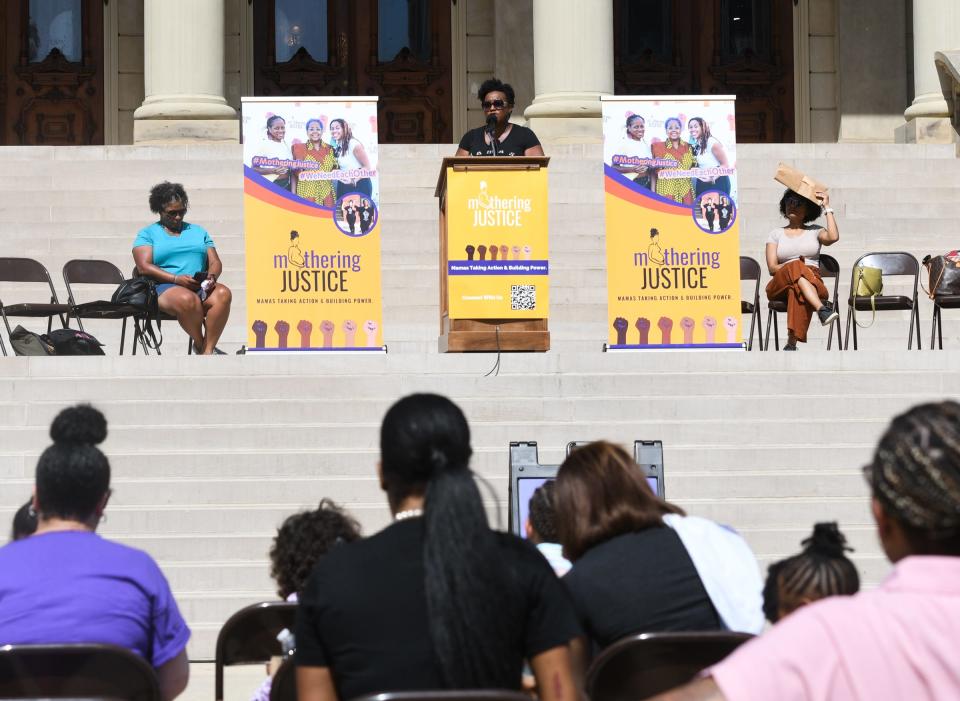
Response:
column 497, row 264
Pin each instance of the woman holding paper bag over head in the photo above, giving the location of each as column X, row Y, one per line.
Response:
column 793, row 259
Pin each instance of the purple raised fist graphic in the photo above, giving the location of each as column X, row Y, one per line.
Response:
column 494, row 250
column 621, row 325
column 482, row 250
column 527, row 252
column 326, row 328
column 665, row 324
column 260, row 331
column 643, row 326
column 283, row 329
column 370, row 328
column 470, row 252
column 687, row 324
column 710, row 326
column 504, row 252
column 516, row 252
column 730, row 325
column 350, row 331
column 305, row 328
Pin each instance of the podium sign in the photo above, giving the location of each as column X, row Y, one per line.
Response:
column 494, row 254
column 497, row 257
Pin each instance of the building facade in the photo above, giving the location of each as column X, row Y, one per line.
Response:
column 144, row 71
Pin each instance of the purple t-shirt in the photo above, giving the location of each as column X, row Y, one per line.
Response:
column 76, row 587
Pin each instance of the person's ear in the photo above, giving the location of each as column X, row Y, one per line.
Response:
column 528, row 529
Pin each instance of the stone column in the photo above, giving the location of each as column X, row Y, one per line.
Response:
column 572, row 67
column 183, row 74
column 936, row 27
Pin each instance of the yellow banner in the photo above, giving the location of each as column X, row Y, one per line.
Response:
column 312, row 226
column 672, row 230
column 497, row 245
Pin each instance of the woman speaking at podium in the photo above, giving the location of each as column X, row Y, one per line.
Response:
column 498, row 137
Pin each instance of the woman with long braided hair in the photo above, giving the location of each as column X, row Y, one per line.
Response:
column 436, row 600
column 822, row 569
column 897, row 641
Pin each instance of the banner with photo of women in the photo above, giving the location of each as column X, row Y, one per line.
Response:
column 672, row 222
column 312, row 224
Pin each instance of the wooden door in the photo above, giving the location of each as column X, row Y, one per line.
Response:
column 51, row 83
column 712, row 47
column 398, row 50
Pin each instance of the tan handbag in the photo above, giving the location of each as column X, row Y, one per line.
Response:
column 869, row 284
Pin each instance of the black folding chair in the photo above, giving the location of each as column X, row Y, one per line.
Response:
column 101, row 272
column 644, row 665
column 83, row 671
column 893, row 264
column 28, row 270
column 940, row 302
column 829, row 268
column 750, row 272
column 250, row 636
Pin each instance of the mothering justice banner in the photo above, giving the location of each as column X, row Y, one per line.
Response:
column 497, row 244
column 673, row 231
column 312, row 224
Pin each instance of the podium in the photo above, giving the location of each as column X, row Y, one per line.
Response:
column 494, row 257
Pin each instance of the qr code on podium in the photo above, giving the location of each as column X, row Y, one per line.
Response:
column 523, row 297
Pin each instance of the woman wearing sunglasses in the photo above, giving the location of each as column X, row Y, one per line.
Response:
column 499, row 137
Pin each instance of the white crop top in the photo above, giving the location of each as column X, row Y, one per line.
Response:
column 790, row 248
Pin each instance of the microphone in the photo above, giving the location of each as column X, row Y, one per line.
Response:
column 491, row 124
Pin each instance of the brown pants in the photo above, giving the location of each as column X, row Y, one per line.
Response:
column 785, row 286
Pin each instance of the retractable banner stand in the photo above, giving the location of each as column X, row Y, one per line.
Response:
column 672, row 223
column 312, row 224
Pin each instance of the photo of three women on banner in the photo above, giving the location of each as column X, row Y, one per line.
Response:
column 686, row 156
column 327, row 161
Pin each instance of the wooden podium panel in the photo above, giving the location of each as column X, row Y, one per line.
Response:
column 485, row 335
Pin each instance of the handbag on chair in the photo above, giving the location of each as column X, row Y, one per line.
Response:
column 869, row 284
column 141, row 292
column 943, row 274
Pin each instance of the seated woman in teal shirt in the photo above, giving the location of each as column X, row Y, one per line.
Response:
column 171, row 252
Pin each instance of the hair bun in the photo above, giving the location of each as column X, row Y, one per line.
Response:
column 81, row 424
column 827, row 540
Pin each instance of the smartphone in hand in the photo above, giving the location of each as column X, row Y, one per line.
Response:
column 201, row 276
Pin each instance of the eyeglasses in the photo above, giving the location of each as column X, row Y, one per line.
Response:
column 493, row 104
column 176, row 212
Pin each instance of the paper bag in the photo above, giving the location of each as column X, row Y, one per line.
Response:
column 803, row 185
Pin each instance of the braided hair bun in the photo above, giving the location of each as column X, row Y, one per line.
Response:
column 79, row 425
column 827, row 541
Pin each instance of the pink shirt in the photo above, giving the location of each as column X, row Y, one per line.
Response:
column 896, row 642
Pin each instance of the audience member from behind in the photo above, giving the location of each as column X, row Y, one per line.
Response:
column 437, row 600
column 303, row 539
column 300, row 542
column 640, row 565
column 821, row 570
column 897, row 641
column 24, row 522
column 176, row 255
column 541, row 528
column 66, row 584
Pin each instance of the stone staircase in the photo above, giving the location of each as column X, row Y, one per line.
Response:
column 210, row 454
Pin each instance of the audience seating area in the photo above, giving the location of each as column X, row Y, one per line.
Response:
column 209, row 455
